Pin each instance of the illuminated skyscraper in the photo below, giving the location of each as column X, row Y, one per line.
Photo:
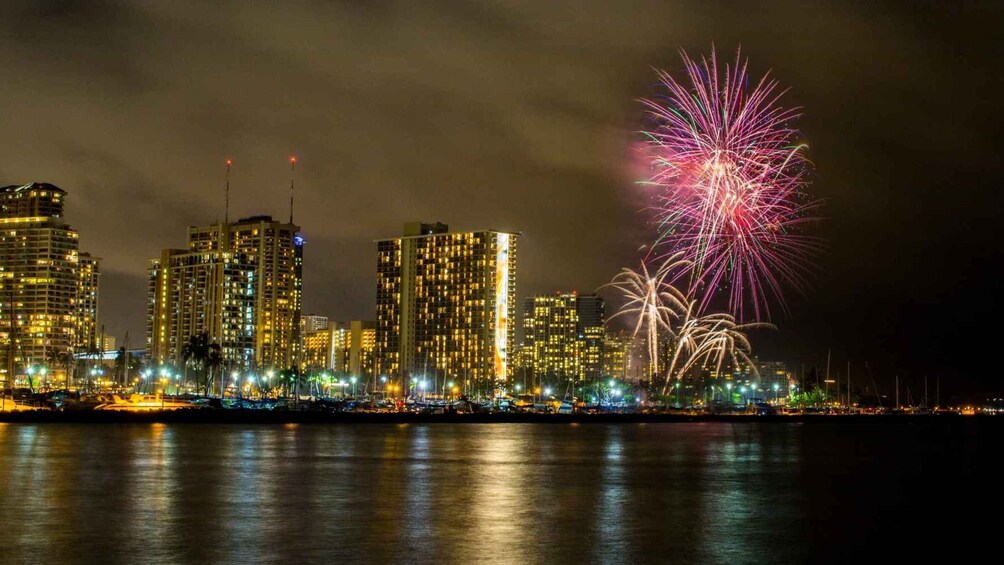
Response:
column 88, row 273
column 563, row 335
column 550, row 344
column 254, row 260
column 446, row 305
column 195, row 292
column 591, row 332
column 49, row 302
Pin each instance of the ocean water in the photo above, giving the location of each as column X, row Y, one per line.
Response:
column 826, row 491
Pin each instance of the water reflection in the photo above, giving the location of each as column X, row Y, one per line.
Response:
column 425, row 493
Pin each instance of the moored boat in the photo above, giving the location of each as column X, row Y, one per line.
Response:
column 144, row 403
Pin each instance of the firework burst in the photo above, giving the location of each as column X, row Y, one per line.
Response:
column 731, row 179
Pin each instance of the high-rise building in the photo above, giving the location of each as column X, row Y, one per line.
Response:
column 563, row 335
column 226, row 267
column 49, row 302
column 550, row 335
column 591, row 331
column 276, row 250
column 196, row 292
column 446, row 305
column 88, row 274
column 590, row 310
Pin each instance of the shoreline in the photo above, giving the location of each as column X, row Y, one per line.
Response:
column 306, row 417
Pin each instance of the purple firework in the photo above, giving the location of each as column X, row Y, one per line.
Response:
column 730, row 174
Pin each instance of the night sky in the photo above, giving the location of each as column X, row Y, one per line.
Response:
column 519, row 116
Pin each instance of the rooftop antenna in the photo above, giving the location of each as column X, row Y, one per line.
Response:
column 292, row 173
column 226, row 209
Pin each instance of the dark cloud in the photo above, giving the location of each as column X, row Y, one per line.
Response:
column 515, row 115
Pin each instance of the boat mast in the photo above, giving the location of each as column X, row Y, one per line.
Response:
column 848, row 385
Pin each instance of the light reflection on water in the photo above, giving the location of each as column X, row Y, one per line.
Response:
column 703, row 492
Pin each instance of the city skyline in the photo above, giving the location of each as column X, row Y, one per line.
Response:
column 898, row 255
column 384, row 281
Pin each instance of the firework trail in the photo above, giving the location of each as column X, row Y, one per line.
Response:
column 731, row 176
column 710, row 341
column 653, row 300
column 663, row 311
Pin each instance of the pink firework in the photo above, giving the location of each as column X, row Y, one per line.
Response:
column 731, row 178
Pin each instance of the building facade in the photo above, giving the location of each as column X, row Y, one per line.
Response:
column 239, row 281
column 446, row 305
column 353, row 346
column 88, row 275
column 49, row 302
column 319, row 348
column 563, row 335
column 209, row 292
column 276, row 250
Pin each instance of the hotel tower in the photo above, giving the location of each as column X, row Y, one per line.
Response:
column 446, row 306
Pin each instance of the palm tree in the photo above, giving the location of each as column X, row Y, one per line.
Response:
column 196, row 352
column 121, row 365
column 214, row 360
column 54, row 359
column 95, row 353
column 68, row 362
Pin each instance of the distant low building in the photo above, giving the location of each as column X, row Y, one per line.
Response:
column 345, row 348
column 312, row 323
